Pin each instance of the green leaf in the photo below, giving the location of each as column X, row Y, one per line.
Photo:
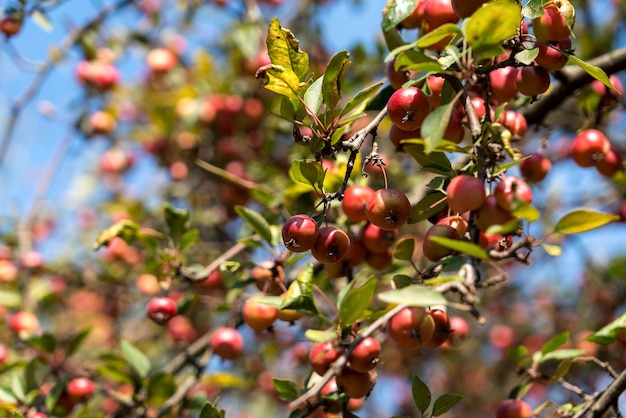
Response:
column 551, row 249
column 404, row 249
column 306, row 172
column 54, row 395
column 434, row 126
column 210, row 411
column 563, row 354
column 287, row 389
column 415, row 60
column 137, row 360
column 361, row 98
column 413, row 295
column 333, row 79
column 429, row 205
column 505, row 228
column 299, row 296
column 533, row 9
column 562, row 369
column 125, row 229
column 437, row 35
column 395, row 11
column 188, row 239
column 176, row 219
column 45, row 342
column 582, row 220
column 510, row 164
column 596, row 72
column 435, row 162
column 444, row 403
column 284, row 50
column 313, row 96
column 356, row 300
column 421, row 394
column 527, row 56
column 610, row 332
column 465, row 247
column 255, row 221
column 555, row 342
column 381, row 99
column 161, row 386
column 492, row 24
column 77, row 341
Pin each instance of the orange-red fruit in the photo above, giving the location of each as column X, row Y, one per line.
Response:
column 397, row 77
column 227, row 343
column 434, row 251
column 258, row 316
column 355, row 384
column 380, row 260
column 512, row 192
column 407, row 108
column 411, row 327
column 354, row 200
column 442, row 328
column 609, row 96
column 388, row 209
column 10, row 26
column 161, row 60
column 532, row 80
column 465, row 8
column 102, row 122
column 377, row 240
column 503, row 87
column 162, row 309
column 551, row 25
column 535, row 168
column 514, row 408
column 398, row 134
column 322, row 355
column 549, row 56
column 331, row 246
column 455, row 221
column 491, row 214
column 465, row 193
column 415, row 19
column 300, row 233
column 24, row 321
column 590, row 146
column 435, row 84
column 365, row 355
column 611, row 163
column 80, row 389
column 439, row 12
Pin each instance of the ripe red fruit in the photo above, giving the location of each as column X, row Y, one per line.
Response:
column 439, row 12
column 24, row 322
column 331, row 246
column 380, row 260
column 227, row 343
column 609, row 96
column 322, row 355
column 514, row 408
column 459, row 330
column 455, row 131
column 465, row 8
column 465, row 193
column 80, row 389
column 397, row 77
column 442, row 328
column 590, row 146
column 102, row 123
column 503, row 87
column 491, row 214
column 552, row 24
column 355, row 384
column 611, row 163
column 388, row 209
column 496, row 241
column 435, row 84
column 411, row 327
column 365, row 355
column 4, row 353
column 407, row 108
column 549, row 56
column 161, row 60
column 377, row 240
column 258, row 316
column 10, row 25
column 532, row 80
column 512, row 192
column 353, row 203
column 432, row 250
column 515, row 122
column 415, row 19
column 535, row 168
column 398, row 134
column 162, row 309
column 300, row 233
column 455, row 221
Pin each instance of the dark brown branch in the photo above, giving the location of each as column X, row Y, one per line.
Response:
column 609, row 396
column 572, row 78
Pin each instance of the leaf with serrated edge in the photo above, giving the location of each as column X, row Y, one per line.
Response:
column 583, row 220
column 413, row 295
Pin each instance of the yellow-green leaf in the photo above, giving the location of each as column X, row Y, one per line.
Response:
column 492, row 24
column 464, row 247
column 596, row 72
column 413, row 295
column 284, row 50
column 582, row 220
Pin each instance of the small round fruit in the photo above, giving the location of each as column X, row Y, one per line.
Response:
column 388, row 209
column 227, row 343
column 412, row 327
column 535, row 168
column 435, row 84
column 439, row 12
column 377, row 240
column 532, row 80
column 415, row 19
column 552, row 24
column 396, row 135
column 434, row 251
column 455, row 221
column 380, row 260
column 354, row 200
column 80, row 389
column 514, row 408
column 503, row 87
column 365, row 355
column 465, row 8
column 258, row 316
column 407, row 108
column 459, row 331
column 611, row 163
column 102, row 123
column 355, row 384
column 331, row 246
column 589, row 146
column 322, row 355
column 465, row 193
column 24, row 322
column 300, row 233
column 609, row 96
column 397, row 77
column 491, row 214
column 162, row 309
column 512, row 192
column 330, row 388
column 161, row 60
column 550, row 57
column 442, row 328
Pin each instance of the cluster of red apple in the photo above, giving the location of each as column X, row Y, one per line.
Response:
column 99, row 73
column 591, row 148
